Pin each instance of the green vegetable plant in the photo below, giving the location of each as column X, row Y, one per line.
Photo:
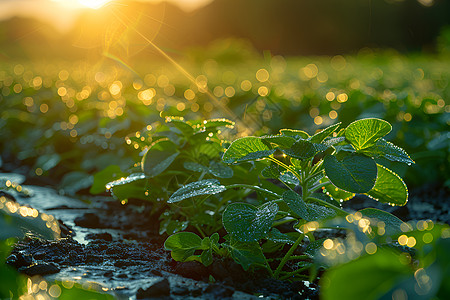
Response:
column 316, row 173
column 174, row 154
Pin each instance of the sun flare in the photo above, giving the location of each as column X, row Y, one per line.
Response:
column 94, row 4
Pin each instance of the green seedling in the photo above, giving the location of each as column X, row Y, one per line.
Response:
column 317, row 172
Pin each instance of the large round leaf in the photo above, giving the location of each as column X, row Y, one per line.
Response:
column 389, row 188
column 354, row 173
column 247, row 148
column 159, row 157
column 364, row 133
column 197, row 188
column 183, row 245
column 248, row 223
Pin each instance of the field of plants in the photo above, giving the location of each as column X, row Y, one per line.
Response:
column 307, row 171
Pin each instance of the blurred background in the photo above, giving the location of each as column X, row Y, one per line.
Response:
column 71, row 28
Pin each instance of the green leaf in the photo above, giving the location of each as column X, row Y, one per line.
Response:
column 247, row 148
column 336, row 193
column 183, row 245
column 321, row 135
column 391, row 222
column 289, row 178
column 125, row 180
column 220, row 170
column 319, row 212
column 222, row 122
column 132, row 186
column 279, row 140
column 276, row 236
column 294, row 133
column 271, row 171
column 246, row 254
column 354, row 173
column 248, row 223
column 364, row 133
column 296, row 204
column 102, row 178
column 197, row 188
column 389, row 188
column 159, row 157
column 193, row 166
column 303, row 149
column 371, row 276
column 181, row 125
column 383, row 148
column 206, row 257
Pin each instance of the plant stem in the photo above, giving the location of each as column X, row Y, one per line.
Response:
column 288, row 168
column 252, row 187
column 287, row 256
column 200, row 231
column 275, row 224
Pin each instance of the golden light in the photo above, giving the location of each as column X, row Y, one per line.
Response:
column 94, row 4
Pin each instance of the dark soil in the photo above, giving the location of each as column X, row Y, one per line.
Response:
column 120, row 248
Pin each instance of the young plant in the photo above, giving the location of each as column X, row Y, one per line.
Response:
column 318, row 172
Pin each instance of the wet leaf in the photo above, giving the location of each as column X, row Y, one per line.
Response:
column 198, row 188
column 193, row 166
column 220, row 170
column 319, row 212
column 391, row 222
column 294, row 133
column 383, row 148
column 389, row 188
column 246, row 254
column 364, row 133
column 338, row 194
column 321, row 135
column 296, row 204
column 181, row 125
column 289, row 178
column 247, row 148
column 271, row 171
column 248, row 223
column 276, row 236
column 303, row 149
column 354, row 173
column 159, row 157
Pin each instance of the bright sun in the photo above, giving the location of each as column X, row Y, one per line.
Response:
column 95, row 4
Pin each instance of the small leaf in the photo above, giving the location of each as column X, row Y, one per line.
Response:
column 159, row 157
column 303, row 149
column 247, row 148
column 320, row 136
column 197, row 188
column 389, row 188
column 354, row 173
column 125, row 180
column 289, row 178
column 279, row 140
column 294, row 133
column 206, row 257
column 213, row 123
column 364, row 133
column 183, row 245
column 246, row 254
column 296, row 204
column 193, row 166
column 383, row 148
column 276, row 236
column 220, row 170
column 248, row 223
column 333, row 141
column 391, row 222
